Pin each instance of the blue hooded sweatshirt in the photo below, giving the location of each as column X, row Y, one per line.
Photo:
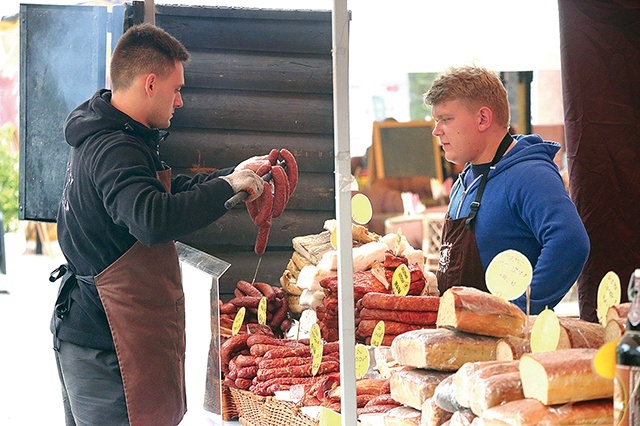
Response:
column 525, row 207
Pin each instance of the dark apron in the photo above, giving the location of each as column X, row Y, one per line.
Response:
column 460, row 263
column 143, row 299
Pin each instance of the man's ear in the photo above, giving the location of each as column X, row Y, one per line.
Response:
column 149, row 84
column 485, row 118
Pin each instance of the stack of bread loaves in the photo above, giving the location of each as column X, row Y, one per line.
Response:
column 473, row 387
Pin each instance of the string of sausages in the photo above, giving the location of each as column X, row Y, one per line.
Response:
column 276, row 194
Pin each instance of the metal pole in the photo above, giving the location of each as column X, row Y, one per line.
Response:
column 149, row 12
column 340, row 36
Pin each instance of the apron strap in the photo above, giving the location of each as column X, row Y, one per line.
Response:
column 63, row 301
column 475, row 205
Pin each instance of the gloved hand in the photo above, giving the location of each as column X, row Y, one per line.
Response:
column 245, row 180
column 261, row 164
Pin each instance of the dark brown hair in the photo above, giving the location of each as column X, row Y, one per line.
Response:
column 144, row 49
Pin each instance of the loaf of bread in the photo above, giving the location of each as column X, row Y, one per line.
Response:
column 620, row 310
column 402, row 416
column 432, row 414
column 614, row 329
column 412, row 387
column 462, row 417
column 487, row 392
column 444, row 395
column 441, row 348
column 577, row 333
column 474, row 311
column 473, row 371
column 531, row 412
column 563, row 375
column 512, row 348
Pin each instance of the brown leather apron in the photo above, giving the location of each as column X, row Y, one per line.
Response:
column 460, row 263
column 142, row 296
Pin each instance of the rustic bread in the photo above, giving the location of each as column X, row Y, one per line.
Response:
column 474, row 311
column 412, row 387
column 614, row 329
column 487, row 392
column 441, row 349
column 512, row 348
column 433, row 414
column 444, row 395
column 563, row 375
column 402, row 416
column 472, row 371
column 577, row 333
column 531, row 412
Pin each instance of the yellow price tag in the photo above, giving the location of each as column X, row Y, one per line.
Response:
column 334, row 238
column 262, row 311
column 398, row 241
column 608, row 295
column 237, row 321
column 604, row 363
column 315, row 344
column 378, row 334
column 329, row 417
column 509, row 274
column 361, row 210
column 401, row 280
column 362, row 360
column 545, row 333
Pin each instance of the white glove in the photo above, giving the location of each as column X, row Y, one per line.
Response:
column 245, row 180
column 253, row 163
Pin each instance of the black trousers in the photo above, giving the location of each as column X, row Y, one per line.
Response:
column 92, row 390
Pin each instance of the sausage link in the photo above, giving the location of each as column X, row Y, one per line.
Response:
column 246, row 301
column 292, row 169
column 261, row 240
column 280, row 190
column 266, row 290
column 248, row 289
column 228, row 347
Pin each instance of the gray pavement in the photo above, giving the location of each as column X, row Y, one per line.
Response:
column 29, row 387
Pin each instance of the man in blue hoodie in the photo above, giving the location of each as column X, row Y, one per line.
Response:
column 510, row 194
column 118, row 323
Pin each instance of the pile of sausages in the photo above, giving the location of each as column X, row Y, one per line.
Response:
column 263, row 364
column 276, row 194
column 248, row 295
column 399, row 313
column 372, row 395
column 364, row 283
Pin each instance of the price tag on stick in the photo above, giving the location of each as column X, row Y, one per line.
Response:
column 401, row 280
column 237, row 321
column 315, row 344
column 262, row 311
column 509, row 274
column 608, row 295
column 362, row 360
column 361, row 210
column 378, row 334
column 545, row 333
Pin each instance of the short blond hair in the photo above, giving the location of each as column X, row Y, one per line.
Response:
column 476, row 86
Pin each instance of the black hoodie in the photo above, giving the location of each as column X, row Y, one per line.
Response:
column 112, row 198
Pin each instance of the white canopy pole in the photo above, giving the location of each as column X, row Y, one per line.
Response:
column 340, row 31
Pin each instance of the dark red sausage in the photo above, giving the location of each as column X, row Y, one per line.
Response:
column 292, row 169
column 248, row 289
column 266, row 290
column 281, row 190
column 261, row 240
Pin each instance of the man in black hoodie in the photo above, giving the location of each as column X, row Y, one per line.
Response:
column 119, row 320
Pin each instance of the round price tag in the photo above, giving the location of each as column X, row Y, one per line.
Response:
column 608, row 295
column 401, row 280
column 362, row 360
column 398, row 241
column 509, row 274
column 545, row 333
column 315, row 344
column 262, row 311
column 361, row 210
column 238, row 320
column 604, row 363
column 378, row 334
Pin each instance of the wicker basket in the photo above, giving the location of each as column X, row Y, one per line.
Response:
column 254, row 410
column 279, row 413
column 229, row 407
column 249, row 406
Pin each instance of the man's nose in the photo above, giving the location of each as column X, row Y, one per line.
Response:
column 177, row 103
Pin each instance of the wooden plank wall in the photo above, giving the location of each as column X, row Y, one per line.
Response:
column 258, row 79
